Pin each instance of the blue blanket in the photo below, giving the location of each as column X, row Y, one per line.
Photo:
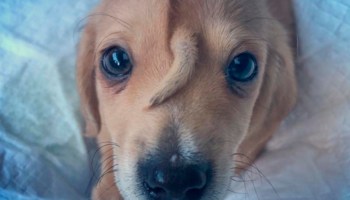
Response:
column 42, row 154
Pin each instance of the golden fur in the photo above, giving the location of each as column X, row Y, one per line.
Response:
column 179, row 49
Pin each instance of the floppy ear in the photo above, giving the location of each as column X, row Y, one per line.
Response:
column 276, row 98
column 86, row 81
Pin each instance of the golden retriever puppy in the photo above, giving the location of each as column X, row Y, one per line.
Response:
column 182, row 94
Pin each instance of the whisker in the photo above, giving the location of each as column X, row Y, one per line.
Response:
column 256, row 192
column 259, row 172
column 81, row 23
column 108, row 171
column 95, row 166
column 105, row 144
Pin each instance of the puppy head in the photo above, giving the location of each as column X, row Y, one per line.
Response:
column 182, row 87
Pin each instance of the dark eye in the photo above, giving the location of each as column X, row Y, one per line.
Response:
column 116, row 63
column 243, row 68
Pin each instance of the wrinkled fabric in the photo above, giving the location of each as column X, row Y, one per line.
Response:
column 42, row 154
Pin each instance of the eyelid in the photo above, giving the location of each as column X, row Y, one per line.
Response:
column 113, row 39
column 110, row 45
column 110, row 39
column 255, row 48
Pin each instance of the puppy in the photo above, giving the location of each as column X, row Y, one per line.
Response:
column 182, row 94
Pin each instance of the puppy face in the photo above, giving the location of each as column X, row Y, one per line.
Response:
column 181, row 88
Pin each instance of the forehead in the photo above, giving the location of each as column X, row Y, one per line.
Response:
column 219, row 25
column 159, row 17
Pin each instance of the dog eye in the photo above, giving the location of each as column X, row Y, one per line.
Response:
column 116, row 63
column 242, row 68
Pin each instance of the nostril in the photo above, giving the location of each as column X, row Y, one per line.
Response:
column 196, row 190
column 155, row 192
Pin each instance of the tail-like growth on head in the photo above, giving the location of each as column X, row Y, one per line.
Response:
column 184, row 48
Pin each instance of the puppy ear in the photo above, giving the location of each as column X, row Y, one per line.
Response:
column 86, row 81
column 276, row 98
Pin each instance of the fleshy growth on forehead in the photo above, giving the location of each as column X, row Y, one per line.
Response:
column 186, row 20
column 184, row 49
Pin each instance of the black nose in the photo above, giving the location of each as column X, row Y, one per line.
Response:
column 174, row 179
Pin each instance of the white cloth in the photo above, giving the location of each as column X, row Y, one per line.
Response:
column 42, row 154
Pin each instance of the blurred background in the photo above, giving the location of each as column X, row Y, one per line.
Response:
column 42, row 152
